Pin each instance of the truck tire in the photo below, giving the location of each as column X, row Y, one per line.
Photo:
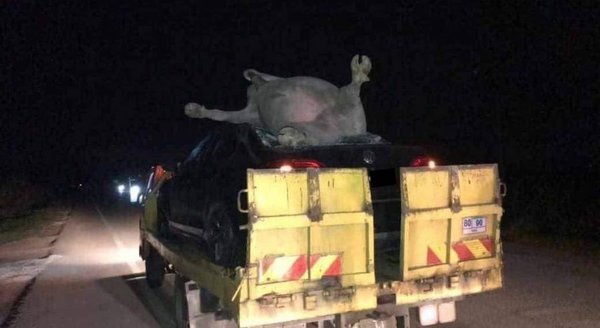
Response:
column 155, row 269
column 181, row 304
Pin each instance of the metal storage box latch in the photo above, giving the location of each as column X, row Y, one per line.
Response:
column 239, row 200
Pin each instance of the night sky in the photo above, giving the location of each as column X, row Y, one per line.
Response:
column 93, row 89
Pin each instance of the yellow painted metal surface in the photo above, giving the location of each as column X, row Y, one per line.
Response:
column 310, row 248
column 190, row 262
column 428, row 189
column 150, row 221
column 438, row 207
column 305, row 305
column 150, row 217
column 444, row 287
column 478, row 185
column 343, row 190
column 280, row 194
column 316, row 225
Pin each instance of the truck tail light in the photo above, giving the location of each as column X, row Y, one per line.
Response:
column 286, row 165
column 423, row 161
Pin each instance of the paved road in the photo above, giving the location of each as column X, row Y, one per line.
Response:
column 96, row 280
column 96, row 277
column 541, row 289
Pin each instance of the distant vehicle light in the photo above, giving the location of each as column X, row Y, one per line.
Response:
column 431, row 164
column 121, row 189
column 134, row 192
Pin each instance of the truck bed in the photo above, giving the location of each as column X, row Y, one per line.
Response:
column 329, row 241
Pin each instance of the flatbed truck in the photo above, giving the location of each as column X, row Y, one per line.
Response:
column 314, row 259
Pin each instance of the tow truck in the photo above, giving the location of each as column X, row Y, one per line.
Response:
column 314, row 258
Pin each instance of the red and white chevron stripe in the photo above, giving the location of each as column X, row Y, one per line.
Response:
column 299, row 267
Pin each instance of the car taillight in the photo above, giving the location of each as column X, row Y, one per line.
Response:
column 287, row 165
column 423, row 161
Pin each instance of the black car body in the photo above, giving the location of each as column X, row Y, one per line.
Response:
column 200, row 201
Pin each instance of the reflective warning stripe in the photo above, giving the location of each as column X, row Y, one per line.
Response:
column 436, row 254
column 296, row 267
column 473, row 249
column 325, row 265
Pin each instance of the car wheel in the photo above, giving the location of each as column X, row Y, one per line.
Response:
column 223, row 240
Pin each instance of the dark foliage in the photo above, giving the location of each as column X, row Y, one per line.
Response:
column 19, row 196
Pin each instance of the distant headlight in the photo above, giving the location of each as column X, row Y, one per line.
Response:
column 134, row 192
column 121, row 189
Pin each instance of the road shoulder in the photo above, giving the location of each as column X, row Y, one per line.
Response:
column 21, row 260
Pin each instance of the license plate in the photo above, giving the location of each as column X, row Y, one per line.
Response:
column 474, row 224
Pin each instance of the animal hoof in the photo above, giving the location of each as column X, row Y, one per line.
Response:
column 194, row 110
column 289, row 136
column 360, row 70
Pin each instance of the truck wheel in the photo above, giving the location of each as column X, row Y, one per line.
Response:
column 182, row 319
column 155, row 269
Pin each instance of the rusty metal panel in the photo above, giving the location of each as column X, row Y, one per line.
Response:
column 280, row 194
column 428, row 189
column 478, row 185
column 309, row 304
column 457, row 228
column 342, row 190
column 308, row 228
column 349, row 240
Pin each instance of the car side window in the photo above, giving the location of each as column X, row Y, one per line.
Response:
column 149, row 184
column 198, row 156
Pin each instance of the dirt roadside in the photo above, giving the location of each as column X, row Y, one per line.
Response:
column 23, row 259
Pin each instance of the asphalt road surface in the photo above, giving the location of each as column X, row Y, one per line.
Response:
column 96, row 280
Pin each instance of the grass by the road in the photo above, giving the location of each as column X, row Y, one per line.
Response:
column 16, row 228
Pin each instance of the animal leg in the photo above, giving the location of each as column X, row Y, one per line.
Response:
column 360, row 70
column 246, row 115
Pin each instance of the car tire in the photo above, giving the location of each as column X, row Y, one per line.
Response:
column 224, row 241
